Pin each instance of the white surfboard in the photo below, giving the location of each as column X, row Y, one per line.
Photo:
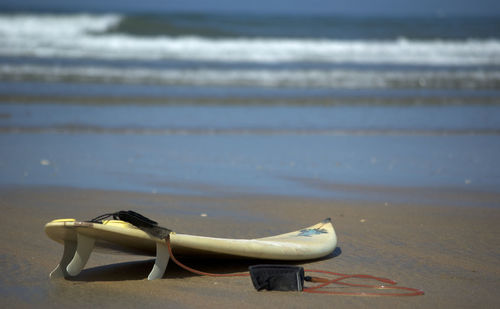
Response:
column 114, row 236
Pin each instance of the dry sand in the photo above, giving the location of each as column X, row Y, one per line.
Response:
column 452, row 253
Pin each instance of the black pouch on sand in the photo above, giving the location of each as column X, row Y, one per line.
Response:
column 277, row 277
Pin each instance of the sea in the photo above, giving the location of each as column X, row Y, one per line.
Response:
column 326, row 106
column 245, row 55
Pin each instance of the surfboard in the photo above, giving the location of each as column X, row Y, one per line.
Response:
column 80, row 238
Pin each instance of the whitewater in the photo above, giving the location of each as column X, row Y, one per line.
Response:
column 90, row 36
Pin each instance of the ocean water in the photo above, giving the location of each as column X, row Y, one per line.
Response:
column 322, row 106
column 248, row 55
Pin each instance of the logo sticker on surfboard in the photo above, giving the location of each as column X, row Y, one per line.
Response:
column 312, row 232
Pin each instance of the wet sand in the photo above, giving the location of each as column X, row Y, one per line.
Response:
column 450, row 252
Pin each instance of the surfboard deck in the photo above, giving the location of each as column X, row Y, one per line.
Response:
column 80, row 238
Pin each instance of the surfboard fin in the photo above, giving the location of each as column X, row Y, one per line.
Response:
column 68, row 254
column 75, row 256
column 84, row 247
column 162, row 257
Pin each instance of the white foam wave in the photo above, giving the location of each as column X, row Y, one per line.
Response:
column 334, row 78
column 85, row 36
column 49, row 25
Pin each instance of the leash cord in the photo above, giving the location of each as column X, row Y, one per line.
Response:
column 324, row 282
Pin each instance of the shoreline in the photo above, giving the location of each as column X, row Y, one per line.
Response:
column 370, row 194
column 449, row 252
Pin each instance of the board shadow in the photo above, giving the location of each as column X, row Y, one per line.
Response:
column 139, row 270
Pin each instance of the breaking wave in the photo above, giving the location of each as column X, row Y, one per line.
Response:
column 92, row 37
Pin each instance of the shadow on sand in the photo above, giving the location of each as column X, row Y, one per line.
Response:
column 139, row 270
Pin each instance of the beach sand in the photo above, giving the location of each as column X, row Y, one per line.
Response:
column 450, row 252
